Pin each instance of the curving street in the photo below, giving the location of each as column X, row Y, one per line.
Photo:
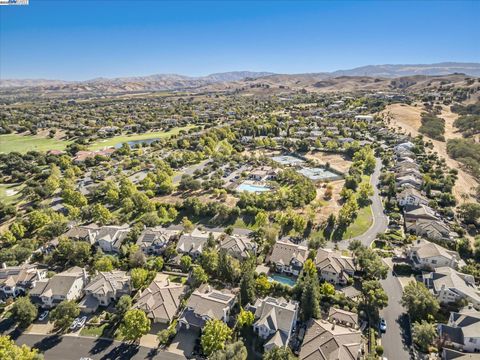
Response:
column 380, row 220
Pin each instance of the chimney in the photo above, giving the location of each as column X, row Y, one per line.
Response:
column 85, row 276
column 4, row 266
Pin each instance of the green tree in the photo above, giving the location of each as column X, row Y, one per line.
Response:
column 135, row 324
column 371, row 263
column 101, row 214
column 245, row 318
column 310, row 301
column 469, row 213
column 234, row 351
column 247, row 282
column 423, row 334
column 374, row 298
column 139, row 277
column 262, row 286
column 64, row 314
column 10, row 351
column 123, row 305
column 214, row 336
column 199, row 276
column 278, row 353
column 103, row 263
column 187, row 225
column 24, row 312
column 186, row 263
column 419, row 301
column 209, row 260
column 18, row 230
column 261, row 219
column 364, row 192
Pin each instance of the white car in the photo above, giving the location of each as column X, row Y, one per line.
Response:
column 81, row 322
column 74, row 324
column 43, row 315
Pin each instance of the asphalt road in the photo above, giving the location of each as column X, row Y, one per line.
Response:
column 73, row 348
column 380, row 220
column 190, row 170
column 396, row 340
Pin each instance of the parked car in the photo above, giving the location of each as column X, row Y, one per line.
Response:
column 43, row 315
column 383, row 325
column 74, row 324
column 81, row 322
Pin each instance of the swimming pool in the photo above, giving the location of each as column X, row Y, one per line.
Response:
column 285, row 280
column 318, row 174
column 252, row 188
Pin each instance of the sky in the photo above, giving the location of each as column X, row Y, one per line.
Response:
column 84, row 39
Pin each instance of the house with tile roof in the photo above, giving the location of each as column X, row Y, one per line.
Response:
column 240, row 247
column 333, row 266
column 343, row 317
column 428, row 256
column 462, row 332
column 326, row 341
column 110, row 238
column 449, row 286
column 205, row 304
column 18, row 279
column 288, row 257
column 153, row 241
column 430, row 229
column 67, row 285
column 109, row 286
column 275, row 320
column 161, row 299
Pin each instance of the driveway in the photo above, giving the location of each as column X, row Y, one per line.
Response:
column 190, row 170
column 396, row 341
column 380, row 220
column 184, row 342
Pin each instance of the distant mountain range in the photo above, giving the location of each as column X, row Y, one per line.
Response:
column 178, row 82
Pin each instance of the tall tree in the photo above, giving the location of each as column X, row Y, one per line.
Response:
column 64, row 314
column 234, row 351
column 214, row 336
column 10, row 351
column 419, row 301
column 135, row 324
column 23, row 311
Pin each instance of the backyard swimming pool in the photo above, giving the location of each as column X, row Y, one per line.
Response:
column 285, row 280
column 319, row 174
column 252, row 188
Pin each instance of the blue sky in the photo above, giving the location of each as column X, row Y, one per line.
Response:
column 83, row 39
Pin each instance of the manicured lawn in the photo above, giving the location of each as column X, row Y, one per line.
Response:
column 361, row 224
column 93, row 330
column 24, row 143
column 177, row 279
column 9, row 193
column 126, row 138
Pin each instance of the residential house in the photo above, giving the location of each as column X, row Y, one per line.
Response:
column 366, row 118
column 428, row 256
column 449, row 286
column 153, row 241
column 409, row 181
column 326, row 341
column 430, row 229
column 411, row 197
column 107, row 287
column 161, row 299
column 462, row 332
column 334, row 267
column 205, row 304
column 275, row 320
column 86, row 233
column 15, row 280
column 67, row 285
column 343, row 317
column 110, row 238
column 415, row 213
column 193, row 243
column 288, row 257
column 240, row 247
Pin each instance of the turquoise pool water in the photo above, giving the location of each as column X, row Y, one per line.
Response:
column 285, row 280
column 252, row 188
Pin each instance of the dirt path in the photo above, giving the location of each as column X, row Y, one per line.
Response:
column 407, row 119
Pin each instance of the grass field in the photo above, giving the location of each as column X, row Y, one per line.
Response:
column 24, row 143
column 6, row 195
column 361, row 224
column 126, row 138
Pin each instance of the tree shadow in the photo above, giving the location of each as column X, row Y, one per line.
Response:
column 101, row 345
column 48, row 342
column 122, row 351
